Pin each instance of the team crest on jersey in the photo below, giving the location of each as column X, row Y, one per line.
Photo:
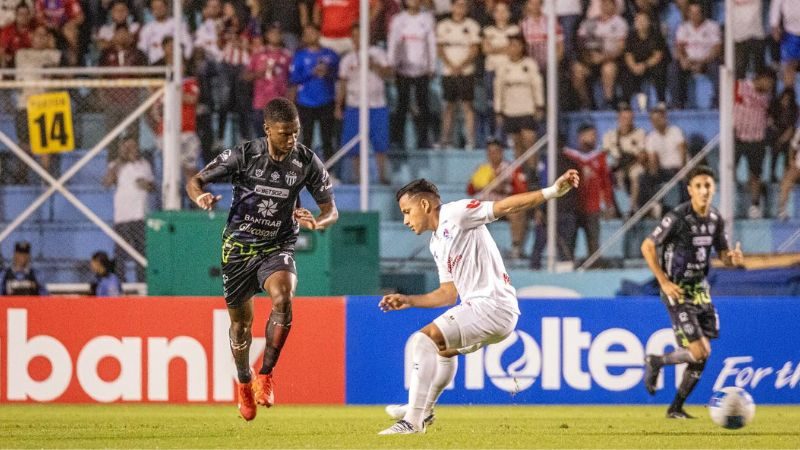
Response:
column 275, row 176
column 291, row 178
column 711, row 228
column 703, row 228
column 694, row 229
column 259, row 173
column 297, row 163
column 473, row 204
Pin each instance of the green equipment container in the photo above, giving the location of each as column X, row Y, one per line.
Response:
column 184, row 251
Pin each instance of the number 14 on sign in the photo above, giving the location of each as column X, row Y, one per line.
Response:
column 50, row 123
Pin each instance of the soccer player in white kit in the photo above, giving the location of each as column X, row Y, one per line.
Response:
column 469, row 265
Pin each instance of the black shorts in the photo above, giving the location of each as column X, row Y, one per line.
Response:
column 458, row 88
column 516, row 124
column 242, row 279
column 691, row 322
column 754, row 152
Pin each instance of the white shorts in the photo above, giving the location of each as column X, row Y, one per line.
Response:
column 475, row 324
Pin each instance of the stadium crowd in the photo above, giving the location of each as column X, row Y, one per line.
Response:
column 476, row 69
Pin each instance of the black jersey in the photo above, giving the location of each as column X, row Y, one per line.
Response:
column 265, row 194
column 687, row 239
column 20, row 282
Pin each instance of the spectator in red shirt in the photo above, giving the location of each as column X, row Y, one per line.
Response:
column 65, row 18
column 16, row 35
column 335, row 19
column 595, row 195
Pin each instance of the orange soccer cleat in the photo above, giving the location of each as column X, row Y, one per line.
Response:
column 247, row 404
column 265, row 395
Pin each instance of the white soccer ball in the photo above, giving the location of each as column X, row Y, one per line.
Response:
column 731, row 407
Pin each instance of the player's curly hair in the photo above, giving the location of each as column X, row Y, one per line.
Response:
column 700, row 170
column 419, row 186
column 280, row 110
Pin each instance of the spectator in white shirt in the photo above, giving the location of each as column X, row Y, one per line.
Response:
column 748, row 36
column 495, row 48
column 153, row 32
column 519, row 97
column 207, row 34
column 666, row 154
column 784, row 21
column 594, row 10
column 601, row 42
column 458, row 38
column 348, row 97
column 697, row 51
column 132, row 175
column 626, row 146
column 412, row 55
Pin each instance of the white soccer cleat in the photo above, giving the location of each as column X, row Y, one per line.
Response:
column 401, row 427
column 396, row 412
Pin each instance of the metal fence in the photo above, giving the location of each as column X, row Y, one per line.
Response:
column 80, row 166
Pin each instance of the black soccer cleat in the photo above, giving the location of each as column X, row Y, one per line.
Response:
column 652, row 368
column 679, row 414
column 428, row 421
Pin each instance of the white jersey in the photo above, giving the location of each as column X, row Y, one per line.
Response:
column 466, row 255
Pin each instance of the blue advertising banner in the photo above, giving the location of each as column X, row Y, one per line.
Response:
column 582, row 351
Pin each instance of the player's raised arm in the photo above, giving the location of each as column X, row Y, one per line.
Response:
column 529, row 200
column 446, row 294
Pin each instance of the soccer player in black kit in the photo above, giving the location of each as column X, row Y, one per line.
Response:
column 687, row 234
column 258, row 242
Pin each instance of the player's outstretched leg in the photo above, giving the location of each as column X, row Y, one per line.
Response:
column 278, row 327
column 240, row 348
column 280, row 286
column 424, row 353
column 690, row 379
column 654, row 363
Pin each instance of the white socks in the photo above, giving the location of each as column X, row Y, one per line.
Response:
column 424, row 353
column 445, row 372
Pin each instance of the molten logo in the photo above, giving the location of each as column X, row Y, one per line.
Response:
column 613, row 359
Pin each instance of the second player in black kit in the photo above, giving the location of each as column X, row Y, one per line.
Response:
column 258, row 242
column 687, row 234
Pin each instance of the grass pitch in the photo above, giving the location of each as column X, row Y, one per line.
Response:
column 170, row 426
